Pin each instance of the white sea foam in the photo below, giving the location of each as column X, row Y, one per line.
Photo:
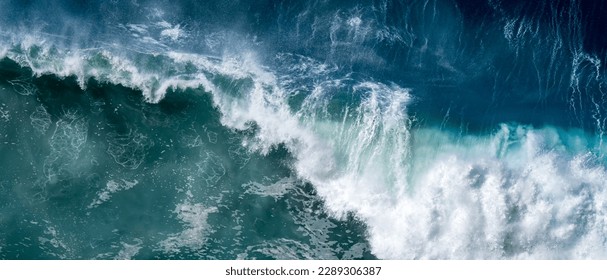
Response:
column 3, row 51
column 68, row 140
column 139, row 28
column 172, row 32
column 5, row 115
column 194, row 217
column 23, row 87
column 53, row 242
column 129, row 149
column 112, row 187
column 276, row 189
column 128, row 251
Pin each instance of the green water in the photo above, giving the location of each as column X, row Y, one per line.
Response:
column 101, row 174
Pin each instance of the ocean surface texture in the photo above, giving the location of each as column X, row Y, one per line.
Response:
column 312, row 129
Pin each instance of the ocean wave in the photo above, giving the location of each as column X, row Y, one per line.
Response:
column 424, row 192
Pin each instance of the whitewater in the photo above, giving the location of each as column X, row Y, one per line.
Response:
column 308, row 130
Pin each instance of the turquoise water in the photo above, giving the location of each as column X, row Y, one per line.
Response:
column 99, row 173
column 308, row 130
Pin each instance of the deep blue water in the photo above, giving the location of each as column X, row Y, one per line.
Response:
column 303, row 129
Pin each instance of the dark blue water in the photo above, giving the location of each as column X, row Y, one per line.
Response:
column 303, row 130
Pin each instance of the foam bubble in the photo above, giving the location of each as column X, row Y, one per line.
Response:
column 130, row 149
column 110, row 188
column 239, row 155
column 281, row 249
column 275, row 190
column 5, row 115
column 41, row 119
column 23, row 87
column 139, row 28
column 53, row 242
column 354, row 21
column 128, row 251
column 173, row 33
column 3, row 51
column 210, row 168
column 69, row 137
column 194, row 217
column 191, row 138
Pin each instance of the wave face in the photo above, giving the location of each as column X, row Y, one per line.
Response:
column 312, row 130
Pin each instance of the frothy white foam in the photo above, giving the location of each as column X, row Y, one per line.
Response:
column 3, row 51
column 53, row 242
column 172, row 32
column 112, row 187
column 194, row 216
column 23, row 87
column 477, row 200
column 5, row 114
column 139, row 28
column 354, row 21
column 276, row 189
column 128, row 251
